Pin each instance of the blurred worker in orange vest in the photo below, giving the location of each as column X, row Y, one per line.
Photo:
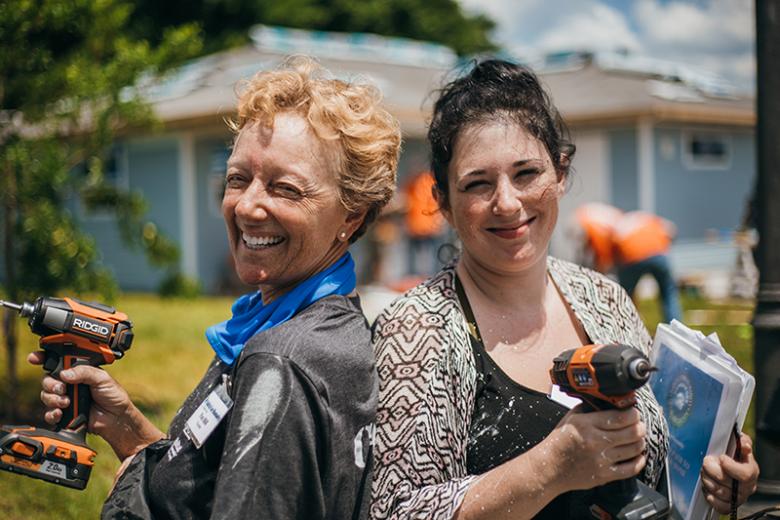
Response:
column 424, row 223
column 595, row 223
column 636, row 243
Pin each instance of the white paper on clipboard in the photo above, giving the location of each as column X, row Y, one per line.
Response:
column 703, row 392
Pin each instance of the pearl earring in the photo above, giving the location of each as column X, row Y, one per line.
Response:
column 342, row 235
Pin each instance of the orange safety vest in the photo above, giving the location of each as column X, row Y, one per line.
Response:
column 597, row 221
column 639, row 235
column 423, row 218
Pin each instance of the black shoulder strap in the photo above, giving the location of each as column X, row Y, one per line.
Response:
column 468, row 313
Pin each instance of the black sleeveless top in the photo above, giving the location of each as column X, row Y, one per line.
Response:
column 508, row 418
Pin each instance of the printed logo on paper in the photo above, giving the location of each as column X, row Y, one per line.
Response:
column 679, row 400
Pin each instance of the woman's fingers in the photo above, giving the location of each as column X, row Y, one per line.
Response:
column 719, row 473
column 610, row 420
column 743, row 471
column 53, row 386
column 716, row 488
column 625, row 452
column 721, row 506
column 36, row 358
column 84, row 374
column 712, row 469
column 626, row 436
column 627, row 469
column 52, row 416
column 723, row 469
column 54, row 400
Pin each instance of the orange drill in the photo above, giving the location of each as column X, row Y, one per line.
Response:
column 72, row 333
column 605, row 377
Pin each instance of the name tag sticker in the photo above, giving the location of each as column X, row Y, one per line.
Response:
column 208, row 416
column 560, row 397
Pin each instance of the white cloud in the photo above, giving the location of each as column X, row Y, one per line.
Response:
column 586, row 30
column 717, row 26
column 716, row 35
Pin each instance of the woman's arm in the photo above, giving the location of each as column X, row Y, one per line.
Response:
column 113, row 415
column 423, row 412
column 585, row 450
column 427, row 387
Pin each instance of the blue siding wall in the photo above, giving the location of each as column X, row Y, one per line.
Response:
column 214, row 266
column 697, row 200
column 152, row 169
column 624, row 180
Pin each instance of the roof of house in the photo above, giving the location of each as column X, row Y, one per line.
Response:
column 603, row 89
column 404, row 70
column 588, row 89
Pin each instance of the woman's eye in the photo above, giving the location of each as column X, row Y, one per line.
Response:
column 527, row 171
column 234, row 181
column 288, row 190
column 474, row 184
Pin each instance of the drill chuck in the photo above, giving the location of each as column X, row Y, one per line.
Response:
column 639, row 369
column 25, row 309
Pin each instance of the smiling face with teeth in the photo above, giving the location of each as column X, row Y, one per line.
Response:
column 503, row 196
column 281, row 206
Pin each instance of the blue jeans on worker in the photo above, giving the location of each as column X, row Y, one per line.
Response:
column 658, row 267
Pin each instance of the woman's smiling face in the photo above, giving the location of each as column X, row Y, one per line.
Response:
column 281, row 206
column 503, row 196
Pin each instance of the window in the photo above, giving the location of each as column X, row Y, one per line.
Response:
column 216, row 179
column 706, row 150
column 115, row 173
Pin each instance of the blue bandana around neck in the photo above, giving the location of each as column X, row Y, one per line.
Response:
column 250, row 316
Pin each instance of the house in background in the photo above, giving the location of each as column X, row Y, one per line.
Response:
column 648, row 136
column 661, row 138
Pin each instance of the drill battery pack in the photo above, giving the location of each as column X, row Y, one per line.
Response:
column 46, row 455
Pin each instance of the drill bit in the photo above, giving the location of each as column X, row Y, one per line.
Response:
column 10, row 305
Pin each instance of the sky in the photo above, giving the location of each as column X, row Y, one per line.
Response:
column 716, row 36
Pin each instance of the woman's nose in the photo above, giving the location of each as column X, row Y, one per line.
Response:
column 253, row 202
column 506, row 199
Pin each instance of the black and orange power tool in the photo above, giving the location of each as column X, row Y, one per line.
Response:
column 605, row 377
column 72, row 333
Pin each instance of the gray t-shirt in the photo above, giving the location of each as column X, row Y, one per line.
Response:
column 295, row 445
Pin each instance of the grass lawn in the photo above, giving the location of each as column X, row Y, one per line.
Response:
column 168, row 358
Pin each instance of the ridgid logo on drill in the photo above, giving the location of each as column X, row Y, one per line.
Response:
column 93, row 327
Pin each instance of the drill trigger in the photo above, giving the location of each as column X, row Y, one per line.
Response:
column 53, row 363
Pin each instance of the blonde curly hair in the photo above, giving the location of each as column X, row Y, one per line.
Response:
column 349, row 113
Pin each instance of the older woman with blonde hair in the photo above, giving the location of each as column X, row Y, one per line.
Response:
column 280, row 426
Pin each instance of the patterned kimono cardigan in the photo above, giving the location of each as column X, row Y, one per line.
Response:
column 428, row 383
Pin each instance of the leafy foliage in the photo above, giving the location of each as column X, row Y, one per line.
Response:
column 225, row 22
column 71, row 77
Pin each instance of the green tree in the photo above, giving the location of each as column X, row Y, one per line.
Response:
column 71, row 77
column 225, row 22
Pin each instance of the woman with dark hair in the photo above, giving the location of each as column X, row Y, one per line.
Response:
column 467, row 424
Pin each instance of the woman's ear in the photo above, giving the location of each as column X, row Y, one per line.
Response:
column 438, row 196
column 351, row 224
column 562, row 172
